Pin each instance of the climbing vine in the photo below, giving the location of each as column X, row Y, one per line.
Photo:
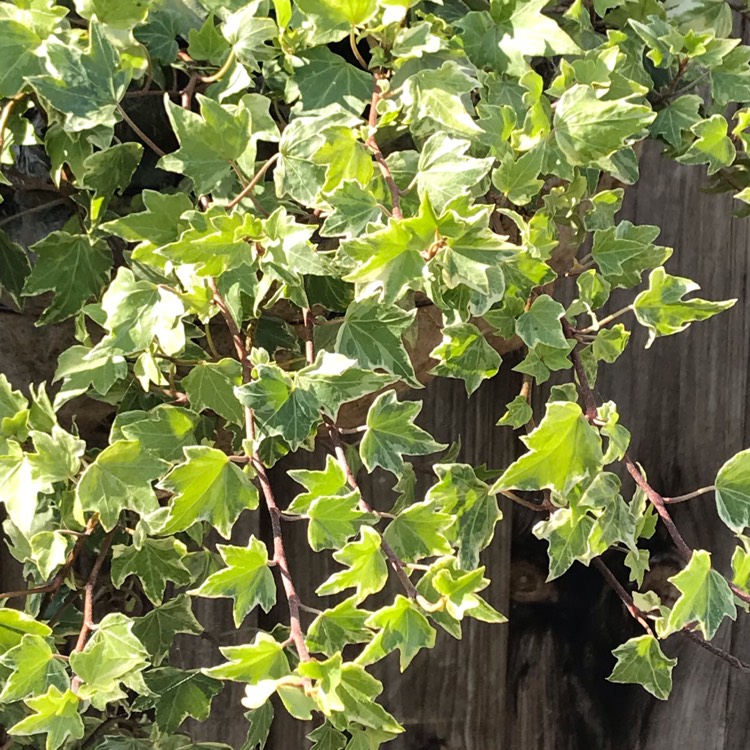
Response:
column 263, row 203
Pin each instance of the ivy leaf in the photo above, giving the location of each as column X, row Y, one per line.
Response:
column 567, row 533
column 589, row 129
column 325, row 78
column 404, row 628
column 518, row 178
column 263, row 659
column 712, row 145
column 563, row 450
column 705, row 597
column 334, row 628
column 14, row 267
column 354, row 13
column 328, row 482
column 419, row 531
column 371, row 334
column 367, row 571
column 156, row 562
column 358, row 691
column 733, row 492
column 326, row 737
column 14, row 624
column 465, row 354
column 518, row 414
column 56, row 714
column 247, row 579
column 120, row 479
column 71, row 266
column 280, row 407
column 86, row 87
column 334, row 520
column 210, row 385
column 260, row 720
column 391, row 433
column 541, row 324
column 109, row 171
column 624, row 252
column 113, row 655
column 677, row 117
column 178, row 694
column 445, row 170
column 157, row 629
column 641, row 661
column 34, row 670
column 81, row 368
column 207, row 487
column 662, row 309
column 19, row 58
column 163, row 432
column 353, row 207
column 335, row 380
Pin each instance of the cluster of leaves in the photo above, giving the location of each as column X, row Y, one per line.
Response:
column 336, row 171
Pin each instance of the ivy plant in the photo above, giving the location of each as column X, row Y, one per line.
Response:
column 262, row 202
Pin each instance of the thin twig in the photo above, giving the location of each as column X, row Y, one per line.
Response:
column 222, row 71
column 251, row 185
column 126, row 117
column 279, row 552
column 526, row 503
column 618, row 588
column 583, row 382
column 604, row 321
column 730, row 659
column 5, row 114
column 689, row 495
column 40, row 207
column 372, row 144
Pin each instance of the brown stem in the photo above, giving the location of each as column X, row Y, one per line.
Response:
column 126, row 117
column 688, row 495
column 5, row 114
column 618, row 588
column 583, row 382
column 372, row 144
column 252, row 184
column 526, row 503
column 355, row 51
column 88, row 592
column 279, row 553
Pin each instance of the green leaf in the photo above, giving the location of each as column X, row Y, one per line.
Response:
column 662, row 309
column 325, row 78
column 335, row 380
column 518, row 414
column 158, row 224
column 641, row 661
column 563, row 450
column 541, row 324
column 733, row 492
column 56, row 714
column 326, row 737
column 207, row 487
column 334, row 520
column 567, row 533
column 418, row 532
column 247, row 579
column 260, row 720
column 33, row 670
column 353, row 13
column 281, row 407
column 518, row 178
column 712, row 145
column 445, row 170
column 109, row 171
column 465, row 354
column 179, row 694
column 391, row 434
column 14, row 624
column 156, row 562
column 81, row 368
column 367, row 571
column 677, row 117
column 263, row 659
column 71, row 266
column 625, row 251
column 371, row 334
column 120, row 479
column 113, row 655
column 706, row 598
column 330, row 481
column 210, row 385
column 163, row 432
column 588, row 129
column 14, row 267
column 358, row 691
column 85, row 87
column 19, row 58
column 404, row 628
column 157, row 629
column 334, row 628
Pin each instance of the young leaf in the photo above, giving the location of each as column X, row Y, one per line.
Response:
column 733, row 492
column 419, row 531
column 157, row 629
column 641, row 661
column 334, row 520
column 263, row 659
column 56, row 714
column 34, row 670
column 247, row 579
column 334, row 628
column 391, row 434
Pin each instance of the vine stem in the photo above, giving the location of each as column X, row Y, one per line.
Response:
column 619, row 589
column 129, row 120
column 279, row 552
column 372, row 144
column 222, row 71
column 252, row 184
column 526, row 503
column 5, row 114
column 355, row 50
column 604, row 321
column 339, row 451
column 654, row 497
